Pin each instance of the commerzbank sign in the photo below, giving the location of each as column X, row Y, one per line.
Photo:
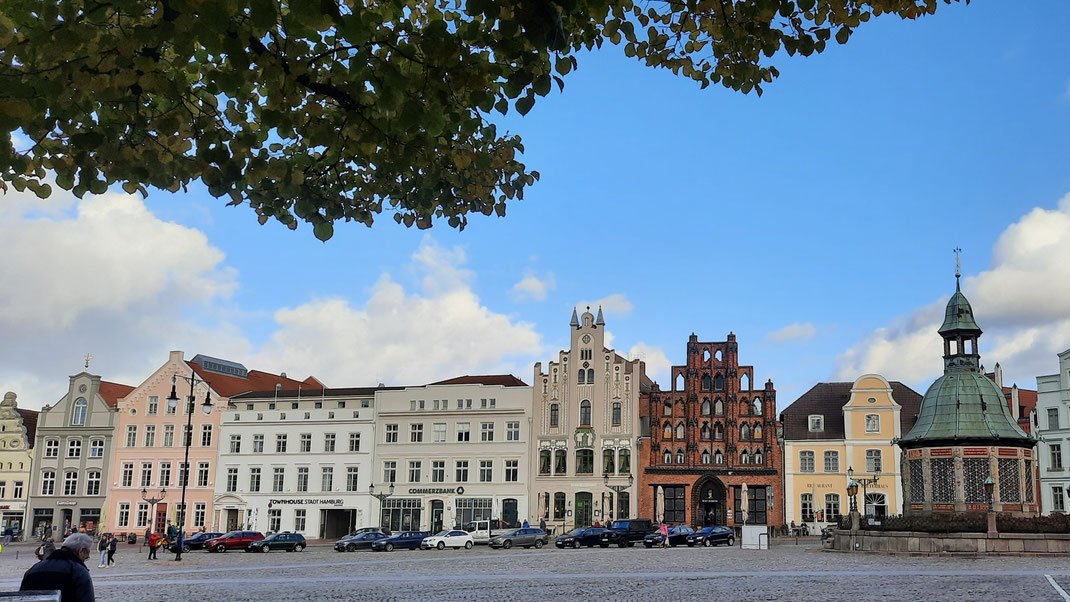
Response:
column 308, row 501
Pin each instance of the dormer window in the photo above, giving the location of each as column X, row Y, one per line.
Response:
column 817, row 423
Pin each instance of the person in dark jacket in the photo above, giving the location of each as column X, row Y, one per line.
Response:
column 64, row 570
column 111, row 550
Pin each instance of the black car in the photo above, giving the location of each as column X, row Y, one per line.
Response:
column 577, row 538
column 361, row 541
column 197, row 541
column 291, row 542
column 625, row 533
column 403, row 540
column 712, row 536
column 677, row 536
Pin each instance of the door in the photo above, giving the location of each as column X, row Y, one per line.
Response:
column 584, row 509
column 436, row 516
column 509, row 512
column 876, row 505
column 711, row 514
column 232, row 520
column 161, row 518
column 67, row 517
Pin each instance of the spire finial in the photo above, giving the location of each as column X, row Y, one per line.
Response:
column 958, row 266
column 87, row 358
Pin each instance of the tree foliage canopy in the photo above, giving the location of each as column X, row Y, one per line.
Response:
column 327, row 110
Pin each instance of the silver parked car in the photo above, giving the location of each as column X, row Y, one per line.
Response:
column 520, row 537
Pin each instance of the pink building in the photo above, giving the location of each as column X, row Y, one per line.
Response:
column 149, row 449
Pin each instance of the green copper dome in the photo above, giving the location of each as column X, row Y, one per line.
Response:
column 959, row 314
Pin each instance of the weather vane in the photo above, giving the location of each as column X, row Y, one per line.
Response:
column 87, row 358
column 958, row 262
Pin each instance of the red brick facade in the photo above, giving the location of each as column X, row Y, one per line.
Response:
column 709, row 435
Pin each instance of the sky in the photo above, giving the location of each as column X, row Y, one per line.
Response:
column 816, row 222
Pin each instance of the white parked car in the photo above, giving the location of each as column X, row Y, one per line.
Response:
column 448, row 539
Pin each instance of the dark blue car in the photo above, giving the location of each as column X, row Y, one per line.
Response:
column 580, row 537
column 405, row 540
column 712, row 536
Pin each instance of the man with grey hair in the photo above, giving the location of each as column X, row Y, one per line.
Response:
column 64, row 570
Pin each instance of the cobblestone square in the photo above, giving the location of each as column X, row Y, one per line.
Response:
column 784, row 572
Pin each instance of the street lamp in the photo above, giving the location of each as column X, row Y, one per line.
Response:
column 206, row 407
column 852, row 489
column 616, row 488
column 381, row 496
column 153, row 501
column 990, row 485
column 864, row 481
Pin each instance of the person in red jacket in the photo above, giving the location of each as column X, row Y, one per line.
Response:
column 153, row 542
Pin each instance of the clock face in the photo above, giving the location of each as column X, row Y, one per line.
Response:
column 586, row 339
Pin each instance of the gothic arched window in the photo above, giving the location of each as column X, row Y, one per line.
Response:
column 705, row 407
column 666, row 456
column 680, row 430
column 585, row 413
column 705, row 382
column 718, row 382
column 555, row 414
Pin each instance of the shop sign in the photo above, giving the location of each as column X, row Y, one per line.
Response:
column 439, row 490
column 66, row 503
column 309, row 502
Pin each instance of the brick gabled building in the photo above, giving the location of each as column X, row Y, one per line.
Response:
column 710, row 434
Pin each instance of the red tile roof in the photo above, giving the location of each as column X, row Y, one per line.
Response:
column 228, row 385
column 504, row 380
column 29, row 420
column 112, row 392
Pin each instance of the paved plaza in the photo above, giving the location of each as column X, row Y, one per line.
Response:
column 784, row 572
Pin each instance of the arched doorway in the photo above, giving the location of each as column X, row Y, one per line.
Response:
column 876, row 505
column 708, row 507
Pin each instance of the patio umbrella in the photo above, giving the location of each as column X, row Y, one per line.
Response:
column 661, row 504
column 743, row 502
column 540, row 509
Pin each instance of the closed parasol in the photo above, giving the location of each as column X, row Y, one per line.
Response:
column 743, row 502
column 661, row 504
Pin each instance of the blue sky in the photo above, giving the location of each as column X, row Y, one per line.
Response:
column 831, row 203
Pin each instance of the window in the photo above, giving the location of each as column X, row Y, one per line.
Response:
column 299, row 520
column 1053, row 418
column 486, row 471
column 127, row 475
column 439, row 430
column 74, row 448
column 258, row 444
column 585, row 461
column 280, row 443
column 438, row 471
column 832, row 461
column 351, row 478
column 274, row 519
column 391, row 433
column 544, row 461
column 390, row 472
column 92, row 484
column 718, row 432
column 278, row 476
column 154, row 404
column 206, row 435
column 188, row 438
column 302, row 478
column 873, row 423
column 150, row 435
column 817, row 423
column 832, row 506
column 48, row 483
column 585, row 413
column 202, row 474
column 232, row 480
column 199, row 510
column 873, row 460
column 254, row 479
column 463, row 433
column 807, row 504
column 512, row 471
column 183, row 474
column 169, row 410
column 555, row 415
column 81, row 406
column 680, row 456
column 666, row 456
column 414, row 471
column 560, row 461
column 462, row 471
column 624, row 465
column 1055, row 451
column 512, row 431
column 706, row 456
column 96, row 448
column 146, row 474
column 52, row 448
column 70, row 483
column 675, row 504
column 168, row 435
column 327, row 478
column 131, row 435
column 706, row 382
column 616, row 416
column 142, row 514
column 757, row 503
column 123, row 520
column 328, row 442
column 416, row 433
column 354, row 442
column 559, row 505
column 486, row 431
column 165, row 474
column 806, row 461
column 1058, row 503
column 705, row 407
column 744, row 432
column 718, row 457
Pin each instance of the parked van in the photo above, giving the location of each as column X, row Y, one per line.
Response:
column 483, row 530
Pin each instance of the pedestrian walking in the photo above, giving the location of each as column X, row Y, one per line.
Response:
column 171, row 532
column 525, row 525
column 111, row 550
column 154, row 540
column 664, row 535
column 48, row 532
column 64, row 570
column 542, row 524
column 8, row 534
column 102, row 547
column 45, row 549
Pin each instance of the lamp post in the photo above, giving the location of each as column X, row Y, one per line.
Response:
column 852, row 489
column 990, row 486
column 864, row 482
column 153, row 501
column 381, row 496
column 206, row 407
column 617, row 489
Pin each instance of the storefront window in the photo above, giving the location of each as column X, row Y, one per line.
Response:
column 756, row 505
column 401, row 514
column 473, row 508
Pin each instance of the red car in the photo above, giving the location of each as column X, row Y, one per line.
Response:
column 234, row 539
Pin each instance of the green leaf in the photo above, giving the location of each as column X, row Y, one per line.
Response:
column 523, row 105
column 323, row 230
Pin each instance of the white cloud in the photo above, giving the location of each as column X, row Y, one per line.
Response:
column 1022, row 303
column 657, row 363
column 402, row 337
column 531, row 287
column 616, row 304
column 791, row 333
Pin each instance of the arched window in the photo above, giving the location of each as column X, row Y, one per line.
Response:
column 666, row 456
column 757, row 431
column 718, row 382
column 666, row 409
column 679, row 456
column 81, row 406
column 718, row 432
column 560, row 461
column 705, row 456
column 706, row 431
column 607, row 461
column 680, row 430
column 555, row 414
column 705, row 355
column 678, row 384
column 705, row 382
column 667, row 431
column 624, row 464
column 616, row 413
column 758, row 456
column 706, row 407
column 744, row 383
column 717, row 355
column 744, row 458
column 590, row 376
column 718, row 407
column 585, row 413
column 744, row 432
column 718, row 457
column 758, row 406
column 581, row 377
column 544, row 461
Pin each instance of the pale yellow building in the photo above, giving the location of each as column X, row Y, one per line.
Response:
column 17, row 429
column 835, row 427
